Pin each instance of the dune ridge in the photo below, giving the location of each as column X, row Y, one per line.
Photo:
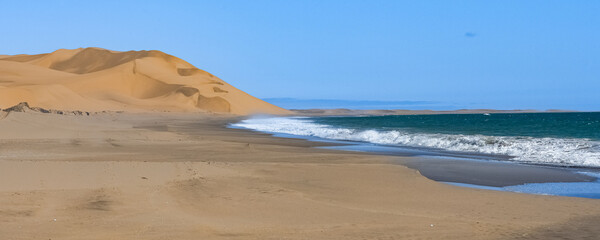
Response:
column 96, row 79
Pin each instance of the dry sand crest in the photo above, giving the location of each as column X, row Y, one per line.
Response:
column 94, row 79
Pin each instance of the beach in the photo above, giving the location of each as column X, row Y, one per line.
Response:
column 187, row 176
column 299, row 120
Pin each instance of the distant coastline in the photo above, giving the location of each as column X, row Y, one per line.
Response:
column 382, row 112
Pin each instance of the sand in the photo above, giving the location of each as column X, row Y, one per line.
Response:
column 491, row 173
column 185, row 176
column 472, row 168
column 95, row 79
column 95, row 155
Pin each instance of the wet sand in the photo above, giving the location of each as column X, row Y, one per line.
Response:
column 489, row 173
column 468, row 168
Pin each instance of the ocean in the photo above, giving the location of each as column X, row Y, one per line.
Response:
column 557, row 139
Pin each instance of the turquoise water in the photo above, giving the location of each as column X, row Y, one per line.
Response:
column 560, row 139
column 539, row 125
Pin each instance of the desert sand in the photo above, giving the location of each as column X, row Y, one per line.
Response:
column 95, row 79
column 186, row 176
column 94, row 155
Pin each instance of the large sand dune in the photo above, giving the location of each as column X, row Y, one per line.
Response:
column 94, row 79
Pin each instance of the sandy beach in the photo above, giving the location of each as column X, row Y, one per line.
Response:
column 135, row 145
column 187, row 176
column 299, row 120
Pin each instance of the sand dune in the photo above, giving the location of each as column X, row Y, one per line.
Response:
column 94, row 79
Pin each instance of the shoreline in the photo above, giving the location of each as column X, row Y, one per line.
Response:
column 187, row 176
column 456, row 167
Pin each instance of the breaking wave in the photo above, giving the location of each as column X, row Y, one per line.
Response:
column 554, row 151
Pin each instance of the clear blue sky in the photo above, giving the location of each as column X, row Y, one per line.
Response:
column 471, row 54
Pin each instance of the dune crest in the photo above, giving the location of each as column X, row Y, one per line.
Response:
column 95, row 79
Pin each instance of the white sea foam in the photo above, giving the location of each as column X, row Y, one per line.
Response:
column 555, row 151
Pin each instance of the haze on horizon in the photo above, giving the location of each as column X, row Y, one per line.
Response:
column 468, row 54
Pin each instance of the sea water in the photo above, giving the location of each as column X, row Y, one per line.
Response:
column 562, row 139
column 557, row 139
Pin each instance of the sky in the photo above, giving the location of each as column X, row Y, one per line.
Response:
column 446, row 54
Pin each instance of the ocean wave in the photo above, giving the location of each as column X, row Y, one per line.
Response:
column 554, row 151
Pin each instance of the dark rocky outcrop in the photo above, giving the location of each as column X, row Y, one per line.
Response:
column 24, row 107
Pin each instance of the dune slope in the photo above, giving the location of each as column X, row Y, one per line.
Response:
column 94, row 79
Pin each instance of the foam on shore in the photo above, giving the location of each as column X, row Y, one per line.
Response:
column 552, row 151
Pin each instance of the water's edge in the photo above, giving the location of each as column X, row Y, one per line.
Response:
column 567, row 151
column 546, row 180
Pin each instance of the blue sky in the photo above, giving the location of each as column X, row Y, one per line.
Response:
column 450, row 54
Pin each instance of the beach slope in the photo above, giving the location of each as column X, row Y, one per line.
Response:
column 186, row 176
